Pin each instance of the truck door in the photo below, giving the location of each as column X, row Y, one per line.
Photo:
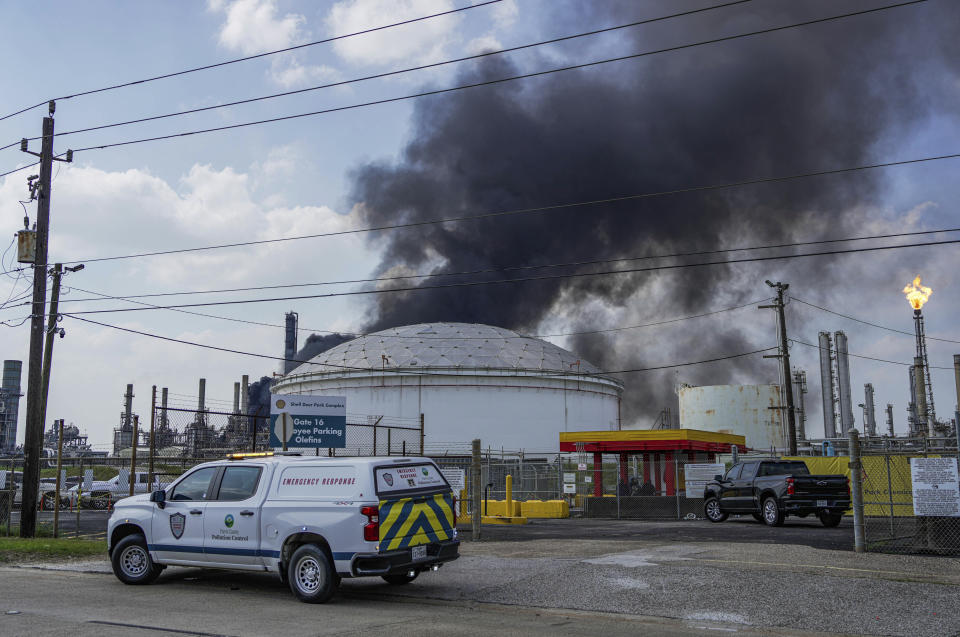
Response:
column 177, row 528
column 416, row 508
column 744, row 486
column 728, row 493
column 231, row 522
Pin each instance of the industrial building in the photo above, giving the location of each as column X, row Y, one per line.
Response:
column 468, row 381
column 10, row 395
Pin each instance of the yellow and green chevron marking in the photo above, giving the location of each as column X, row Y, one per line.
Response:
column 411, row 521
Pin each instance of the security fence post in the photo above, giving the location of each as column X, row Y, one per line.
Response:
column 153, row 438
column 56, row 495
column 79, row 497
column 421, row 434
column 475, row 480
column 856, row 491
column 133, row 454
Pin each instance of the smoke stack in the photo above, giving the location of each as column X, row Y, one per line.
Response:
column 843, row 383
column 245, row 399
column 236, row 398
column 128, row 408
column 826, row 385
column 890, row 419
column 869, row 411
column 290, row 343
column 924, row 426
column 799, row 391
column 201, row 402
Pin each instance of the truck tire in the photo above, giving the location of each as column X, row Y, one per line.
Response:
column 711, row 510
column 398, row 579
column 311, row 575
column 131, row 561
column 772, row 514
column 828, row 519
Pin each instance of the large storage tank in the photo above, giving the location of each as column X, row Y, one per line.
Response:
column 468, row 380
column 749, row 410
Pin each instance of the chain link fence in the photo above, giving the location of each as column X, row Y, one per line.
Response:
column 910, row 503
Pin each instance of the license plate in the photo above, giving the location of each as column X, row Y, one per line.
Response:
column 822, row 504
column 419, row 552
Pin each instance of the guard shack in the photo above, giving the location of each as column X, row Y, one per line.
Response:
column 645, row 472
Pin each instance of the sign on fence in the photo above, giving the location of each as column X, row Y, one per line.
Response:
column 569, row 478
column 123, row 479
column 936, row 491
column 3, row 479
column 88, row 480
column 456, row 479
column 696, row 477
column 569, row 488
column 310, row 421
column 581, row 466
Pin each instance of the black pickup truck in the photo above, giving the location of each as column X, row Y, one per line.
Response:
column 773, row 489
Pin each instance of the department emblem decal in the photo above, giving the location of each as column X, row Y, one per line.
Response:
column 281, row 403
column 228, row 521
column 178, row 522
column 425, row 471
column 388, row 478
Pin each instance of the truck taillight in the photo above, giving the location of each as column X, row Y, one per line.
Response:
column 790, row 489
column 371, row 530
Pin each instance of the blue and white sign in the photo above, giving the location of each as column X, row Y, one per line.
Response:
column 309, row 421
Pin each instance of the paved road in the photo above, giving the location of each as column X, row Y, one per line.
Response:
column 795, row 531
column 208, row 603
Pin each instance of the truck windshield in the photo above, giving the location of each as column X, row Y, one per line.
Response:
column 784, row 468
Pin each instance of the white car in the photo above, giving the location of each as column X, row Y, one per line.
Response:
column 104, row 492
column 310, row 520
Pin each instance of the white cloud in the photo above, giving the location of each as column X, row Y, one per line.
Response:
column 483, row 44
column 419, row 42
column 505, row 13
column 256, row 26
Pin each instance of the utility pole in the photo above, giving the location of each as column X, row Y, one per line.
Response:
column 33, row 436
column 52, row 320
column 784, row 357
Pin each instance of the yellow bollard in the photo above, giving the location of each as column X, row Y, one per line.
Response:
column 509, row 502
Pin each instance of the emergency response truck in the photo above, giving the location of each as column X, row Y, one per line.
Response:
column 310, row 520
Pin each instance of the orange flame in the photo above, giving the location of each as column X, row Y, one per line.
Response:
column 917, row 294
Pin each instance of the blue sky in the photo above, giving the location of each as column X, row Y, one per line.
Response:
column 295, row 178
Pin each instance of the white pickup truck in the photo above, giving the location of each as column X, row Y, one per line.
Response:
column 103, row 493
column 310, row 520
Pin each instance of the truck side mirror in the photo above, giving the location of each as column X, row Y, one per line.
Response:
column 718, row 478
column 160, row 497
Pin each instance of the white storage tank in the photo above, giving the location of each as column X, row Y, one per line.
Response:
column 751, row 411
column 469, row 381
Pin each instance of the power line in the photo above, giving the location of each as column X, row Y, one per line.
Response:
column 869, row 358
column 511, row 268
column 420, row 337
column 882, row 327
column 391, row 73
column 251, row 57
column 416, row 372
column 16, row 170
column 527, row 279
column 496, row 81
column 520, row 211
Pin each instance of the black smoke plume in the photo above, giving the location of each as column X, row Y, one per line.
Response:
column 824, row 96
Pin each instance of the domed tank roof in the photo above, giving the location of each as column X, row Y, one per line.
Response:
column 447, row 345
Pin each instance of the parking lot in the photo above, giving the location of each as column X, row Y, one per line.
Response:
column 549, row 577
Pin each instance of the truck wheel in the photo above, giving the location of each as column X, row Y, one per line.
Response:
column 772, row 515
column 398, row 579
column 311, row 575
column 131, row 561
column 757, row 517
column 711, row 509
column 830, row 520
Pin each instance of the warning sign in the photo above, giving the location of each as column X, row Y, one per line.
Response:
column 936, row 489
